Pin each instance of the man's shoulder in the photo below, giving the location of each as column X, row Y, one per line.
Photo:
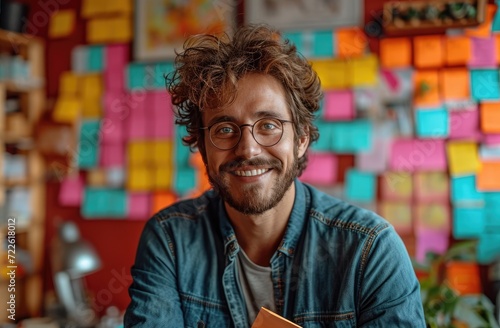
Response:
column 339, row 214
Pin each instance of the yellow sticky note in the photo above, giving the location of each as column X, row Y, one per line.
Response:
column 162, row 153
column 91, row 108
column 399, row 214
column 333, row 73
column 109, row 30
column 92, row 8
column 67, row 110
column 463, row 158
column 397, row 186
column 363, row 71
column 62, row 23
column 91, row 86
column 69, row 84
column 140, row 178
column 139, row 153
column 163, row 177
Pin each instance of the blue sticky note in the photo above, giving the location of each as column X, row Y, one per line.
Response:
column 468, row 222
column 323, row 44
column 160, row 71
column 492, row 210
column 104, row 203
column 136, row 76
column 324, row 143
column 463, row 189
column 432, row 123
column 184, row 180
column 88, row 144
column 360, row 186
column 495, row 26
column 295, row 38
column 182, row 152
column 95, row 57
column 485, row 84
column 352, row 137
column 488, row 248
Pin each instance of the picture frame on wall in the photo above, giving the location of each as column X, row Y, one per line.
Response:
column 304, row 14
column 162, row 26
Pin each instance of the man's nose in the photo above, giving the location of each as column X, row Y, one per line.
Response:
column 248, row 146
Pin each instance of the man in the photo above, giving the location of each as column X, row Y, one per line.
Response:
column 261, row 237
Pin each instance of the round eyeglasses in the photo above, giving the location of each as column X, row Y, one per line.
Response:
column 267, row 131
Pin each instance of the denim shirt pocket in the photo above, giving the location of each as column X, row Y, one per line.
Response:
column 200, row 313
column 326, row 320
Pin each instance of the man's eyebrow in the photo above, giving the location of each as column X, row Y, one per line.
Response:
column 223, row 118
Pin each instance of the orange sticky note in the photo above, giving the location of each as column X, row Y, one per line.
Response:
column 428, row 51
column 488, row 177
column 426, row 84
column 483, row 30
column 490, row 117
column 457, row 50
column 395, row 52
column 162, row 199
column 62, row 23
column 351, row 42
column 455, row 84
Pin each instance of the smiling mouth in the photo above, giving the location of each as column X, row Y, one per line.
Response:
column 250, row 173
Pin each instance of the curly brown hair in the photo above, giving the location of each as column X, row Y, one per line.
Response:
column 209, row 67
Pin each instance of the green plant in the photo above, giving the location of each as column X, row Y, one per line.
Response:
column 443, row 306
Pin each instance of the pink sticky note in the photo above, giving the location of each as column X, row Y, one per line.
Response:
column 114, row 80
column 112, row 154
column 112, row 130
column 139, row 206
column 339, row 105
column 116, row 104
column 464, row 124
column 70, row 193
column 321, row 169
column 117, row 56
column 430, row 241
column 410, row 155
column 483, row 53
column 491, row 139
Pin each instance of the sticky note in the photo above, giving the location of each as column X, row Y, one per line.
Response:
column 160, row 71
column 489, row 152
column 464, row 124
column 399, row 214
column 339, row 105
column 432, row 216
column 91, row 85
column 351, row 137
column 468, row 222
column 485, row 84
column 62, row 23
column 431, row 186
column 363, row 71
column 162, row 199
column 139, row 206
column 490, row 117
column 464, row 190
column 432, row 123
column 79, row 60
column 91, row 108
column 426, row 87
column 333, row 73
column 104, row 203
column 321, row 169
column 430, row 241
column 161, row 152
column 395, row 52
column 112, row 129
column 374, row 160
column 116, row 57
column 297, row 39
column 488, row 176
column 360, row 186
column 69, row 85
column 136, row 73
column 181, row 151
column 463, row 157
column 67, row 110
column 115, row 176
column 323, row 43
column 396, row 186
column 457, row 50
column 96, row 177
column 488, row 248
column 140, row 153
column 88, row 145
column 428, row 51
column 163, row 177
column 323, row 144
column 409, row 155
column 184, row 180
column 492, row 210
column 491, row 139
column 95, row 59
column 351, row 42
column 112, row 154
column 92, row 8
column 71, row 190
column 140, row 178
column 114, row 80
column 484, row 53
column 455, row 84
column 109, row 30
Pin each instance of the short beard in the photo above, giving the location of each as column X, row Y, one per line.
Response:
column 251, row 203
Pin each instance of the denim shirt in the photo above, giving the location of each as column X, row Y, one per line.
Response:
column 337, row 266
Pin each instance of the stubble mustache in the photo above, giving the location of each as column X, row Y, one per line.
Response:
column 241, row 162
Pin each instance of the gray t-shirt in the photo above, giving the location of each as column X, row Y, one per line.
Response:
column 256, row 285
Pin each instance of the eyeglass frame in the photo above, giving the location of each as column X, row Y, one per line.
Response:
column 282, row 121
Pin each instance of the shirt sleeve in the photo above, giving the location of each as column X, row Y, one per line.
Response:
column 390, row 292
column 154, row 294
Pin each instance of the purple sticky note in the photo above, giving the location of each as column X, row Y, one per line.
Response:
column 491, row 139
column 430, row 241
column 410, row 155
column 71, row 191
column 321, row 169
column 339, row 105
column 464, row 124
column 112, row 154
column 139, row 205
column 483, row 53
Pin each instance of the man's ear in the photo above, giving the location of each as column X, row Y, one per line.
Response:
column 303, row 142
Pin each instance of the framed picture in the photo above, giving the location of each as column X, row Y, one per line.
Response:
column 304, row 14
column 162, row 26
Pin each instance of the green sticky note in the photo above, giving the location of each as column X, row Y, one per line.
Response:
column 360, row 186
column 160, row 71
column 352, row 137
column 136, row 76
column 324, row 143
column 184, row 180
column 432, row 123
column 323, row 44
column 95, row 58
column 104, row 203
column 88, row 144
column 488, row 248
column 296, row 38
column 485, row 84
column 468, row 222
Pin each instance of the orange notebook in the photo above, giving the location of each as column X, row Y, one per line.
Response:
column 269, row 319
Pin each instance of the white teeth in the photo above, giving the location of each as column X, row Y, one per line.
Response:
column 251, row 173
